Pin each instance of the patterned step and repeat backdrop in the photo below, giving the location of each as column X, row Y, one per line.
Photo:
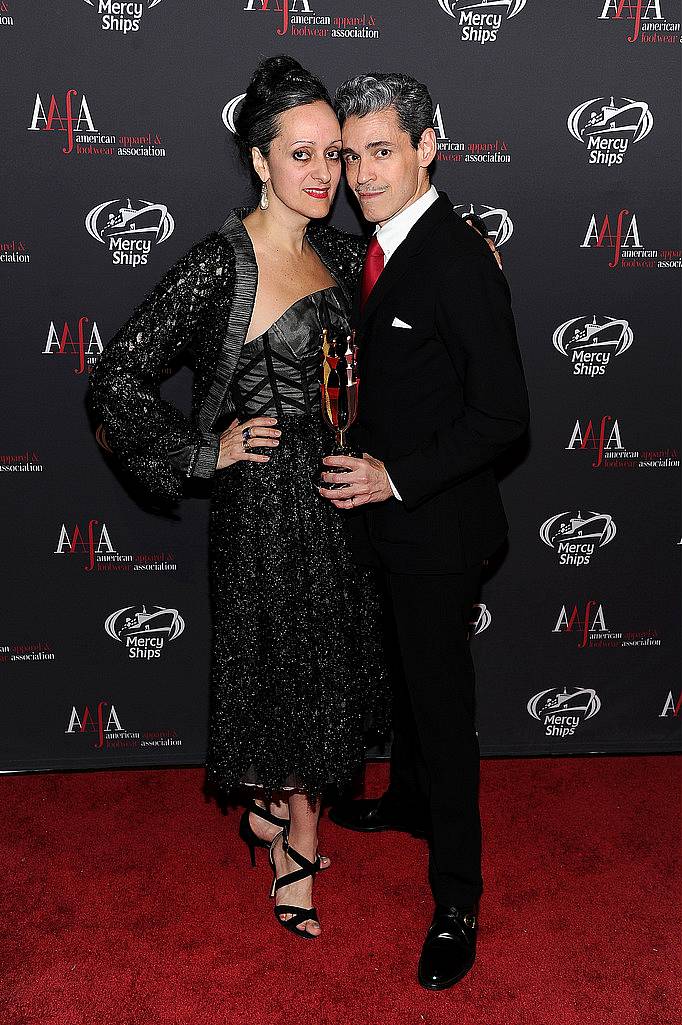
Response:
column 559, row 123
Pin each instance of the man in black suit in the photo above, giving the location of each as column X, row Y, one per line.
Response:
column 442, row 395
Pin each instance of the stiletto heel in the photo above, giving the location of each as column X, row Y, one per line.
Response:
column 308, row 868
column 247, row 834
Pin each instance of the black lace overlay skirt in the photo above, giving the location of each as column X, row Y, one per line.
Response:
column 298, row 668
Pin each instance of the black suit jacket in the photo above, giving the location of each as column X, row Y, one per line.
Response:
column 439, row 401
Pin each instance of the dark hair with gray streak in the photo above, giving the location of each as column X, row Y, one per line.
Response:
column 368, row 94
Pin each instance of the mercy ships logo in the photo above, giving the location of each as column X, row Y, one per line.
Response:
column 143, row 632
column 497, row 221
column 590, row 343
column 481, row 21
column 576, row 538
column 562, row 712
column 122, row 15
column 130, row 231
column 607, row 131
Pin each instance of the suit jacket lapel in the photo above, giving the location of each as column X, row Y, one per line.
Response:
column 401, row 261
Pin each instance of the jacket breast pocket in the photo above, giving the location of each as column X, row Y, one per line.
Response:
column 407, row 323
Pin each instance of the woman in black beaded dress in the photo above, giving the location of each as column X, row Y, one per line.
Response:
column 297, row 664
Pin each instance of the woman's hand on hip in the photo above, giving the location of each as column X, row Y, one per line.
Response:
column 236, row 440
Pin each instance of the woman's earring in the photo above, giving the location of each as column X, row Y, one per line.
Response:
column 264, row 201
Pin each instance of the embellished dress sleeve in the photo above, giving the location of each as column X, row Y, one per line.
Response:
column 150, row 437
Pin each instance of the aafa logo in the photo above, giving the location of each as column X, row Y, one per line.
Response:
column 561, row 712
column 130, row 230
column 103, row 724
column 590, row 344
column 144, row 630
column 624, row 239
column 586, row 622
column 633, row 10
column 81, row 344
column 608, row 130
column 575, row 538
column 606, row 438
column 480, row 20
column 497, row 221
column 92, row 543
column 480, row 151
column 65, row 120
column 283, row 7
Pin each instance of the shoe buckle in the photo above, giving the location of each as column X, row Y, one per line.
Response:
column 470, row 921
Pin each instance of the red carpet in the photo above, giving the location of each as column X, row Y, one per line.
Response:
column 128, row 899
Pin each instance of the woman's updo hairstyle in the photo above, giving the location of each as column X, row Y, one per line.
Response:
column 278, row 84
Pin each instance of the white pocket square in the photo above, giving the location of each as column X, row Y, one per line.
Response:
column 397, row 322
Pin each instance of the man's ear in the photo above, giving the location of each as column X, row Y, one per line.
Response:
column 427, row 147
column 260, row 164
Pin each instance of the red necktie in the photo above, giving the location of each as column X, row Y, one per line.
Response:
column 374, row 264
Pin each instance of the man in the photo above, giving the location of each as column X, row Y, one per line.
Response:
column 442, row 396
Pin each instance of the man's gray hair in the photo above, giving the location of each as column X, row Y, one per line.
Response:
column 367, row 94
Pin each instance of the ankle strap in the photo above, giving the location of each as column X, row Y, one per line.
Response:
column 308, row 868
column 263, row 813
column 311, row 867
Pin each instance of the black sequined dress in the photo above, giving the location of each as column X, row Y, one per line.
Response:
column 297, row 668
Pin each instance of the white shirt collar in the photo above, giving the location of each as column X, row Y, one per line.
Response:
column 394, row 231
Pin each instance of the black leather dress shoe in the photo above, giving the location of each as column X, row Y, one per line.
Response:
column 367, row 816
column 449, row 949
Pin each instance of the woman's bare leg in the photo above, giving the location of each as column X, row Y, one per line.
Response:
column 303, row 837
column 266, row 830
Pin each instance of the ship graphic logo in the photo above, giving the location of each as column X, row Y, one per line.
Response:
column 580, row 334
column 497, row 221
column 142, row 220
column 594, row 527
column 481, row 618
column 580, row 701
column 143, row 621
column 510, row 7
column 623, row 118
column 230, row 112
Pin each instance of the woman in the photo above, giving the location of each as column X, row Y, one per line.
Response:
column 296, row 662
column 297, row 665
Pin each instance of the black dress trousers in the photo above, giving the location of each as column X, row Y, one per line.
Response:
column 435, row 755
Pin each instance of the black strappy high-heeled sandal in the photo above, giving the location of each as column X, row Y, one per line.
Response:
column 308, row 868
column 251, row 839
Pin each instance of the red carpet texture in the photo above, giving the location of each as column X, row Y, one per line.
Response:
column 128, row 899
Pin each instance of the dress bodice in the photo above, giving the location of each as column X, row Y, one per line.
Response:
column 279, row 370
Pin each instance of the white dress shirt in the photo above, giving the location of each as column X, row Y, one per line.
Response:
column 394, row 231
